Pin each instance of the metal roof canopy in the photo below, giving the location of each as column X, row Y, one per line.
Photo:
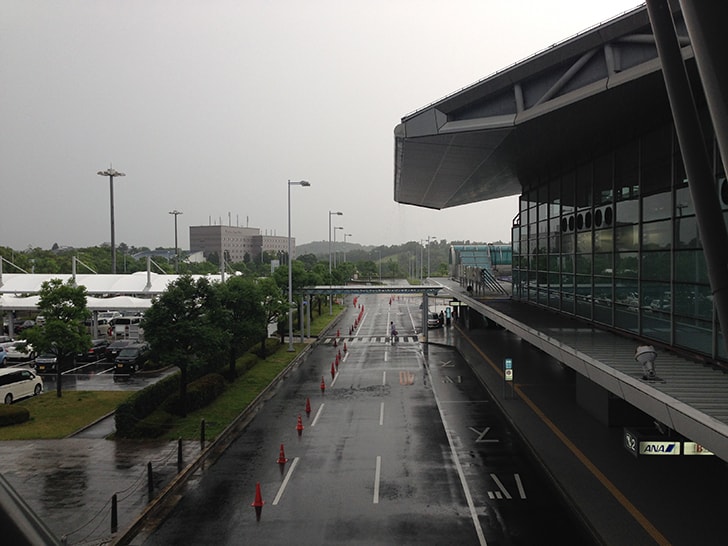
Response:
column 488, row 140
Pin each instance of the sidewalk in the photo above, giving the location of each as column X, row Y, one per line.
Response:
column 69, row 483
column 652, row 500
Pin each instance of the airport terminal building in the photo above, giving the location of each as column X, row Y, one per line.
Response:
column 594, row 134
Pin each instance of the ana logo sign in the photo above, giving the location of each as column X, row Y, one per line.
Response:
column 659, row 448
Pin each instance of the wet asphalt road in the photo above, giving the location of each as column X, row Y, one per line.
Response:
column 403, row 447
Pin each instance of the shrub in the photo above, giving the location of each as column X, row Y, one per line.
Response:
column 13, row 415
column 199, row 394
column 143, row 403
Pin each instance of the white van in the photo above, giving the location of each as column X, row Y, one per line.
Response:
column 17, row 383
column 126, row 327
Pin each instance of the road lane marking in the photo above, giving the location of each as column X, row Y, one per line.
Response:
column 505, row 492
column 459, row 467
column 406, row 378
column 519, row 484
column 384, row 378
column 336, row 376
column 377, row 475
column 598, row 474
column 285, row 481
column 381, row 414
column 386, row 356
column 318, row 413
column 481, row 436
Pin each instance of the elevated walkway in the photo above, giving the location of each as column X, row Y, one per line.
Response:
column 690, row 397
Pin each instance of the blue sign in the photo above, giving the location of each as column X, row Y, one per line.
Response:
column 509, row 363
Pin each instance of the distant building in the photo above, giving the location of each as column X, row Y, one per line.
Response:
column 235, row 242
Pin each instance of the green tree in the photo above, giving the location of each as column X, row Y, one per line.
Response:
column 242, row 300
column 63, row 306
column 274, row 306
column 183, row 326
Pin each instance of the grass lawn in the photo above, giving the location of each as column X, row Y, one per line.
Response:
column 233, row 401
column 53, row 417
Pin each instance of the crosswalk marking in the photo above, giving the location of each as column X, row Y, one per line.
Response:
column 371, row 339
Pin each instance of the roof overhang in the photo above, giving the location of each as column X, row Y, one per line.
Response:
column 538, row 116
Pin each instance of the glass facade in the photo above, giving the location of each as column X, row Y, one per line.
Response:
column 615, row 241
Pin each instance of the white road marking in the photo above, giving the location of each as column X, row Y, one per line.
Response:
column 384, row 378
column 377, row 475
column 461, row 474
column 381, row 414
column 481, row 436
column 285, row 481
column 333, row 382
column 318, row 414
column 505, row 492
column 519, row 484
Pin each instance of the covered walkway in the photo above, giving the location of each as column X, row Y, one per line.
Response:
column 689, row 396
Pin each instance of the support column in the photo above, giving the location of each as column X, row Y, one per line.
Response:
column 705, row 22
column 697, row 163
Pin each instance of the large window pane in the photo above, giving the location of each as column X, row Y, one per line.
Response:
column 657, row 235
column 584, row 264
column 656, row 160
column 656, row 297
column 657, row 206
column 687, row 232
column 584, row 241
column 603, row 240
column 626, row 238
column 690, row 267
column 626, row 264
column 626, row 175
column 695, row 335
column 603, row 264
column 656, row 266
column 603, row 191
column 693, row 301
column 628, row 212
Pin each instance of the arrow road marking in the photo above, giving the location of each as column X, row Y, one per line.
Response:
column 503, row 490
column 481, row 436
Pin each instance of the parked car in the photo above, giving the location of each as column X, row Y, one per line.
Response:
column 433, row 320
column 96, row 352
column 131, row 358
column 3, row 355
column 46, row 363
column 20, row 350
column 17, row 383
column 113, row 349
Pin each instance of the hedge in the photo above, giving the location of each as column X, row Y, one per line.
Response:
column 13, row 415
column 200, row 393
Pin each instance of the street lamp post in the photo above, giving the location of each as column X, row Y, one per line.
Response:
column 290, row 266
column 111, row 173
column 335, row 252
column 345, row 236
column 331, row 296
column 428, row 254
column 176, row 247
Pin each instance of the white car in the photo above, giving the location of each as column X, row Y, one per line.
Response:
column 19, row 350
column 17, row 383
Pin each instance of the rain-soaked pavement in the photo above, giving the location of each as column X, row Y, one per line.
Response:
column 404, row 446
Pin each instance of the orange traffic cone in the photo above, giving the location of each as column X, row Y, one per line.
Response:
column 336, row 343
column 333, row 371
column 337, row 364
column 345, row 349
column 338, row 333
column 338, row 355
column 258, row 502
column 308, row 406
column 282, row 457
column 323, row 384
column 299, row 425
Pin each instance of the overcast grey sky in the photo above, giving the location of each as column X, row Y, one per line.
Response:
column 210, row 106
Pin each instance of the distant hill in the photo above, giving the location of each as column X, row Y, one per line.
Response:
column 321, row 248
